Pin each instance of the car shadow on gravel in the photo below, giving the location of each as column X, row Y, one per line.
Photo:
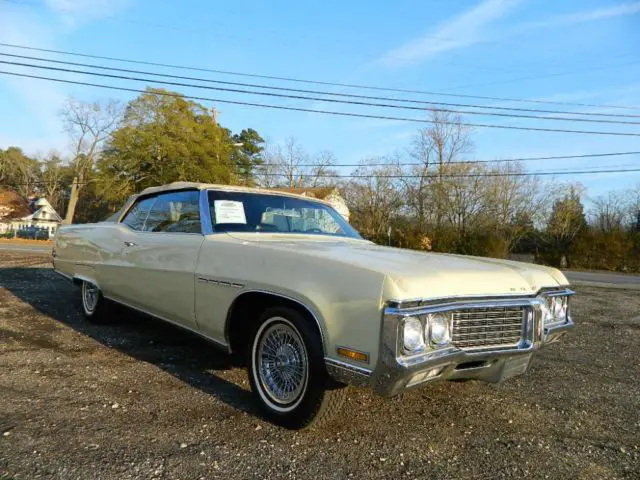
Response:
column 184, row 355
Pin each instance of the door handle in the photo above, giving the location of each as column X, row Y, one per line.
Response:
column 130, row 244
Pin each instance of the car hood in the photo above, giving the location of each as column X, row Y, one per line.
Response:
column 415, row 274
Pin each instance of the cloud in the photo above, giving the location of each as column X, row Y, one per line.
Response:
column 37, row 100
column 471, row 28
column 41, row 99
column 77, row 12
column 621, row 10
column 462, row 31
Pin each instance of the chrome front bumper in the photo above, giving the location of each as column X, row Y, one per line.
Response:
column 394, row 373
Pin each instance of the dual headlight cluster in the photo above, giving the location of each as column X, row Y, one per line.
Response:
column 426, row 331
column 555, row 309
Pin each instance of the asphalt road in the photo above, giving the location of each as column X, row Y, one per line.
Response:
column 25, row 247
column 632, row 281
column 139, row 398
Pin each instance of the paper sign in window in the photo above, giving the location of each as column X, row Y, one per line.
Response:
column 229, row 211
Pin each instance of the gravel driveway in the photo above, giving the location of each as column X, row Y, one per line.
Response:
column 141, row 399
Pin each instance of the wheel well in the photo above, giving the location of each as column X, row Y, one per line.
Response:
column 246, row 310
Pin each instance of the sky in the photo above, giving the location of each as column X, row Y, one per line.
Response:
column 581, row 52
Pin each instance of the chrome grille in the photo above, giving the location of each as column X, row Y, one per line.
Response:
column 487, row 327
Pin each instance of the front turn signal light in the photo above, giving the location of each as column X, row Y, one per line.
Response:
column 353, row 354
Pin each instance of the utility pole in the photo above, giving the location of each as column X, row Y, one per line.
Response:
column 214, row 115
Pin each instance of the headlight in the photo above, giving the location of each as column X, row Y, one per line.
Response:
column 555, row 309
column 412, row 335
column 558, row 307
column 438, row 329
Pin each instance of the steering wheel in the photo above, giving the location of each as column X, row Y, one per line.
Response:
column 313, row 230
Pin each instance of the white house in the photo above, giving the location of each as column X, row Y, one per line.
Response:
column 23, row 218
column 44, row 217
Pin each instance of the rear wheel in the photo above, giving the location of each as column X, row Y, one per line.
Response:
column 287, row 371
column 94, row 305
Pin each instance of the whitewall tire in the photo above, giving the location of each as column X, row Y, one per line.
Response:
column 94, row 305
column 287, row 372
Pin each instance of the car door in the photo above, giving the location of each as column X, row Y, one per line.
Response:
column 160, row 255
column 114, row 268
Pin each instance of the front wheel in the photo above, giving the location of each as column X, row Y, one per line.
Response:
column 287, row 371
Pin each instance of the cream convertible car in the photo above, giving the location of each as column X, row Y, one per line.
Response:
column 284, row 280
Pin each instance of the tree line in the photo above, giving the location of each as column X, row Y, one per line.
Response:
column 425, row 197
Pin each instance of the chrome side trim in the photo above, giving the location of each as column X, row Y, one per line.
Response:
column 345, row 373
column 219, row 283
column 216, row 343
column 267, row 292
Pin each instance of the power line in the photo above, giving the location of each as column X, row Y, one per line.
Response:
column 468, row 175
column 326, row 112
column 431, row 175
column 349, row 53
column 314, row 82
column 500, row 160
column 301, row 97
column 333, row 94
column 514, row 174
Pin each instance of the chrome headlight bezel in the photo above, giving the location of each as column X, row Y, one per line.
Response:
column 438, row 326
column 435, row 332
column 412, row 335
column 555, row 308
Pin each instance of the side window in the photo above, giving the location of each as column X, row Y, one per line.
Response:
column 138, row 214
column 177, row 212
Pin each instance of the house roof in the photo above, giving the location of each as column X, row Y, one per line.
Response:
column 45, row 214
column 12, row 205
column 314, row 192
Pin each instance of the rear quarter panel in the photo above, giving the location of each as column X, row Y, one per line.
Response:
column 83, row 250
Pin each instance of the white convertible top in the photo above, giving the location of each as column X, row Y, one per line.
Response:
column 228, row 188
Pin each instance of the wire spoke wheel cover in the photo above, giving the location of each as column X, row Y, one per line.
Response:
column 90, row 297
column 281, row 364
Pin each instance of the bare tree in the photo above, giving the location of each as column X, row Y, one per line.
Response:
column 88, row 125
column 633, row 208
column 289, row 165
column 433, row 148
column 283, row 165
column 374, row 198
column 462, row 197
column 608, row 212
column 52, row 174
column 515, row 203
column 320, row 173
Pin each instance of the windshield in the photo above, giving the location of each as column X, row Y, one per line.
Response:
column 259, row 212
